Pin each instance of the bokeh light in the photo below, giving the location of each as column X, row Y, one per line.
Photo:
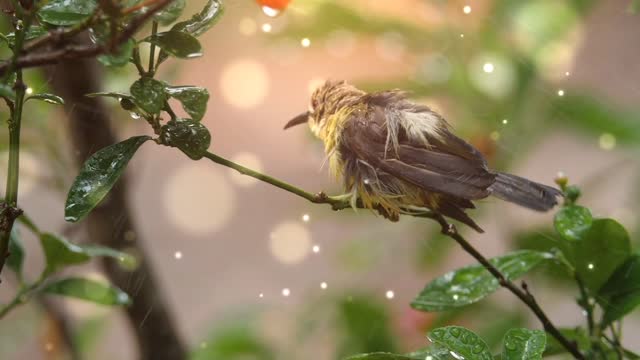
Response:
column 290, row 242
column 244, row 83
column 198, row 199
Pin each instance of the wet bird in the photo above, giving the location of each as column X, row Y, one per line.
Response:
column 395, row 156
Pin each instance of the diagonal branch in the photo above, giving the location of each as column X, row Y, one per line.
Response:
column 338, row 203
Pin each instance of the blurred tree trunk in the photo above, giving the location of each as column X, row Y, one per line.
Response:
column 149, row 317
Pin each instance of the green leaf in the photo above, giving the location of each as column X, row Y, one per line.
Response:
column 601, row 249
column 473, row 283
column 464, row 343
column 170, row 13
column 120, row 57
column 7, row 92
column 66, row 12
column 190, row 136
column 194, row 99
column 577, row 335
column 202, row 21
column 89, row 290
column 634, row 7
column 177, row 43
column 115, row 95
column 571, row 221
column 48, row 98
column 524, row 344
column 621, row 293
column 16, row 252
column 380, row 356
column 34, row 32
column 127, row 261
column 98, row 175
column 363, row 326
column 149, row 94
column 59, row 252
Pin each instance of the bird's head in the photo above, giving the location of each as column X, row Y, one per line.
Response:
column 326, row 101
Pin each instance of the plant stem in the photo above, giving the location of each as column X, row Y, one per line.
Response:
column 21, row 297
column 339, row 203
column 152, row 50
column 585, row 303
column 10, row 211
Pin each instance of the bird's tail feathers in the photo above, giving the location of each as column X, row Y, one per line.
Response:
column 524, row 192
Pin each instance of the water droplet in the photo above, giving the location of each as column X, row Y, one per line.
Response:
column 466, row 9
column 19, row 25
column 456, row 297
column 477, row 349
column 488, row 68
column 315, row 248
column 270, row 12
column 323, row 285
column 266, row 28
column 135, row 115
column 560, row 92
column 261, row 295
column 286, row 292
column 305, row 42
column 456, row 355
column 178, row 255
column 590, row 266
column 390, row 294
column 505, row 121
column 510, row 345
column 306, row 217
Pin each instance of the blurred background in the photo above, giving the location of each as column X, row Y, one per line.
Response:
column 251, row 272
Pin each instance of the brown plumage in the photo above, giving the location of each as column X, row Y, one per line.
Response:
column 397, row 156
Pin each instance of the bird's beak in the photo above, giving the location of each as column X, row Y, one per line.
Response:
column 300, row 119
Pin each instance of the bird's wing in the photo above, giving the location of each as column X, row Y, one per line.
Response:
column 449, row 165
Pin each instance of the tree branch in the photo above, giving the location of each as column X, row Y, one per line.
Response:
column 339, row 203
column 70, row 51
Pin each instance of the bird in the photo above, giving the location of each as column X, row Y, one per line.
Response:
column 395, row 156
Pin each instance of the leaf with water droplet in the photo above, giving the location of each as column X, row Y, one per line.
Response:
column 177, row 43
column 65, row 12
column 98, row 175
column 571, row 221
column 473, row 283
column 89, row 290
column 48, row 98
column 170, row 13
column 149, row 94
column 115, row 95
column 450, row 337
column 190, row 136
column 600, row 250
column 621, row 293
column 193, row 98
column 433, row 352
column 523, row 344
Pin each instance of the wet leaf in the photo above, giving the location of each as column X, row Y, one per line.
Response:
column 98, row 175
column 190, row 136
column 621, row 293
column 127, row 261
column 89, row 290
column 433, row 352
column 48, row 98
column 66, row 12
column 464, row 343
column 473, row 283
column 203, row 21
column 149, row 94
column 170, row 13
column 177, row 43
column 16, row 252
column 523, row 344
column 600, row 250
column 115, row 95
column 194, row 99
column 120, row 57
column 380, row 356
column 59, row 252
column 571, row 221
column 34, row 32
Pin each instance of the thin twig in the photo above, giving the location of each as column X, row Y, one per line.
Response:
column 339, row 203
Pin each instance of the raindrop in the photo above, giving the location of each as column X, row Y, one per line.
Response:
column 323, row 285
column 467, row 9
column 390, row 294
column 488, row 68
column 560, row 92
column 315, row 248
column 306, row 217
column 270, row 12
column 456, row 297
column 178, row 255
column 590, row 266
column 305, row 42
column 261, row 295
column 456, row 355
column 505, row 121
column 477, row 349
column 510, row 345
column 266, row 28
column 135, row 115
column 286, row 292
